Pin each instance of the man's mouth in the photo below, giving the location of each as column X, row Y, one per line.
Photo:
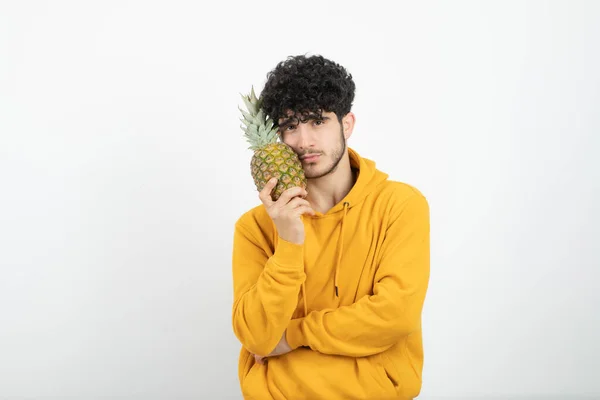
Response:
column 309, row 157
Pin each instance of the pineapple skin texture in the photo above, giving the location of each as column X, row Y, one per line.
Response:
column 280, row 161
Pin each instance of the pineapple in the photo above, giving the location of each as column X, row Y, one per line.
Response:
column 271, row 158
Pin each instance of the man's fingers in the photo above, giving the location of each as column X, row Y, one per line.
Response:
column 296, row 202
column 259, row 359
column 265, row 194
column 287, row 195
column 300, row 210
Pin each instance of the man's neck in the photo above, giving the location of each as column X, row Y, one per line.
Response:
column 327, row 191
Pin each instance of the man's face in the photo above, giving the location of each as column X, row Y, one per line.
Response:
column 320, row 143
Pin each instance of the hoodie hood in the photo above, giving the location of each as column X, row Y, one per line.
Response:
column 368, row 178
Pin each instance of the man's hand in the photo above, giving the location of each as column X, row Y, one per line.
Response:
column 282, row 348
column 287, row 211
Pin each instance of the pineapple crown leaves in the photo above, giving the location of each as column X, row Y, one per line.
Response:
column 258, row 130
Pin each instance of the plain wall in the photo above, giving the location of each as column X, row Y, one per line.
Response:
column 123, row 168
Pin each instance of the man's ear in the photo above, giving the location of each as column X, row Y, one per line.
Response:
column 348, row 124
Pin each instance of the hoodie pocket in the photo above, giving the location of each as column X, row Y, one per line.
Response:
column 389, row 371
column 375, row 367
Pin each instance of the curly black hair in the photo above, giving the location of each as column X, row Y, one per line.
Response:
column 307, row 86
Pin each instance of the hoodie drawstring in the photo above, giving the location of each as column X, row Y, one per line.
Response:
column 341, row 250
column 337, row 264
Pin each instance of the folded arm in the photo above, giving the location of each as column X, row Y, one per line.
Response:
column 378, row 321
column 266, row 288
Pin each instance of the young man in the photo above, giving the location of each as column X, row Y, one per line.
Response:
column 329, row 282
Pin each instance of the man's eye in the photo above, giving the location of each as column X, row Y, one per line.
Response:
column 290, row 126
column 319, row 122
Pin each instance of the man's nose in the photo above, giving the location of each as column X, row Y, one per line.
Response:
column 305, row 136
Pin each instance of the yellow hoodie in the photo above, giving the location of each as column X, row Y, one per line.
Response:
column 349, row 299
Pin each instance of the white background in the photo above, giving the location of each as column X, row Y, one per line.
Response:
column 123, row 169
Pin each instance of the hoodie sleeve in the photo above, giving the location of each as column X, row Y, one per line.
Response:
column 265, row 289
column 378, row 321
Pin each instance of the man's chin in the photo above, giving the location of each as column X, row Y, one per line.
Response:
column 315, row 174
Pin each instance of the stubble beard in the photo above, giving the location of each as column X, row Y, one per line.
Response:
column 336, row 155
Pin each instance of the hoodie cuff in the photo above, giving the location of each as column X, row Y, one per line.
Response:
column 288, row 254
column 294, row 334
